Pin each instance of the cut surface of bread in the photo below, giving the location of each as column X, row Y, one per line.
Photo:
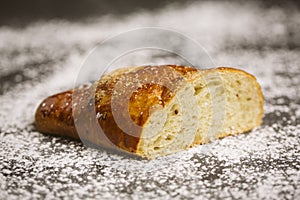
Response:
column 154, row 111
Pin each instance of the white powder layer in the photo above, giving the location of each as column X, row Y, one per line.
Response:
column 261, row 164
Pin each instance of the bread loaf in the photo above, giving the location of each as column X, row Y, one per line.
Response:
column 153, row 111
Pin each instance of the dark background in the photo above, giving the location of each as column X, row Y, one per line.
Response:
column 19, row 13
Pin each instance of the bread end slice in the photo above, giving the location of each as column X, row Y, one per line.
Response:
column 242, row 108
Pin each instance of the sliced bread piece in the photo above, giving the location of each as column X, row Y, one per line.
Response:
column 155, row 110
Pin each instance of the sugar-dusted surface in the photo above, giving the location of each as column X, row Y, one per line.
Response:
column 263, row 163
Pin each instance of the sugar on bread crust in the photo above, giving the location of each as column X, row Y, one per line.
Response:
column 155, row 110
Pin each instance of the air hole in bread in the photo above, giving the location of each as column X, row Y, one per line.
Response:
column 198, row 89
column 175, row 109
column 169, row 137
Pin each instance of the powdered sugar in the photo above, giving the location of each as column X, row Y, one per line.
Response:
column 263, row 163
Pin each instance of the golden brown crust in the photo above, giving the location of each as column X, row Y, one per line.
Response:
column 143, row 87
column 54, row 115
